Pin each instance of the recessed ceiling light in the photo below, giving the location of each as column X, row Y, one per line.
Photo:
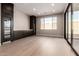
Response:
column 34, row 9
column 52, row 4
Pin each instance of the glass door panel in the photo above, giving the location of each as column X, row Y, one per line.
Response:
column 76, row 27
column 69, row 24
column 7, row 30
column 66, row 25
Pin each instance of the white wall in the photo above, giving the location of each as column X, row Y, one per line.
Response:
column 55, row 33
column 0, row 10
column 21, row 20
column 0, row 22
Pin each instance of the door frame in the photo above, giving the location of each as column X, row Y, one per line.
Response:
column 66, row 38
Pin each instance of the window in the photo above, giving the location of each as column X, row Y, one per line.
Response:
column 76, row 22
column 49, row 23
column 42, row 23
column 54, row 22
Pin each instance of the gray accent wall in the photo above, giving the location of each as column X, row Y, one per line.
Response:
column 54, row 33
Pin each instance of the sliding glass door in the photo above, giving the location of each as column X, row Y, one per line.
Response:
column 72, row 26
column 68, row 23
column 66, row 15
column 76, row 27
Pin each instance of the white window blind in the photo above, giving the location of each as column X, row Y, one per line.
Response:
column 49, row 23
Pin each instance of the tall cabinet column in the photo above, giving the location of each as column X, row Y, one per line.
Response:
column 6, row 22
column 33, row 24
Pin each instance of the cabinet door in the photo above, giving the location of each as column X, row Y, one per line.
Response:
column 6, row 22
column 7, row 29
column 7, row 9
column 33, row 23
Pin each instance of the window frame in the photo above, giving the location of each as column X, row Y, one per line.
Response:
column 45, row 23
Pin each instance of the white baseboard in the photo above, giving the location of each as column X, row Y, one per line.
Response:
column 57, row 36
column 7, row 42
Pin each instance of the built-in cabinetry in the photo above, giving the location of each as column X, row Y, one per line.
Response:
column 7, row 32
column 33, row 24
column 24, row 33
column 6, row 22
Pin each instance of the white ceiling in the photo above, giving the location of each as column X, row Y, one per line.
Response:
column 41, row 8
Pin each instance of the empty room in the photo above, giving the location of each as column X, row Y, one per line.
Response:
column 39, row 29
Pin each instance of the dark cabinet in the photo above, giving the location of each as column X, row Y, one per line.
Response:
column 33, row 24
column 7, row 9
column 6, row 22
column 21, row 34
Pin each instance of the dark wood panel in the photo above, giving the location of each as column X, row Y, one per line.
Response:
column 7, row 9
column 21, row 34
column 6, row 14
column 33, row 23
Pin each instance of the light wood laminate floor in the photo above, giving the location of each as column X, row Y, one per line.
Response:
column 37, row 46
